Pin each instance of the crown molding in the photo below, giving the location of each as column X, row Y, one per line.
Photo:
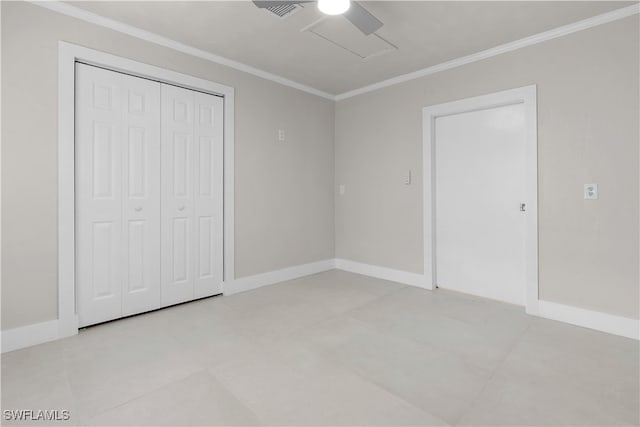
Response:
column 75, row 12
column 498, row 50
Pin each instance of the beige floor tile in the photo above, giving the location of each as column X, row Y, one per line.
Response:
column 289, row 384
column 196, row 400
column 440, row 383
column 275, row 320
column 524, row 394
column 47, row 392
column 332, row 349
column 413, row 314
column 593, row 367
column 104, row 376
column 329, row 333
column 31, row 363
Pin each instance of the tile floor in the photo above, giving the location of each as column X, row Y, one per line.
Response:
column 332, row 349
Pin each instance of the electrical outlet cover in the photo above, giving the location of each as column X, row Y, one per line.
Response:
column 591, row 191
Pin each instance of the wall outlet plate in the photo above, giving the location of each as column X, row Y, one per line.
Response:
column 591, row 191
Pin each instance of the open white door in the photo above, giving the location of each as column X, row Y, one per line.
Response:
column 479, row 188
column 480, row 163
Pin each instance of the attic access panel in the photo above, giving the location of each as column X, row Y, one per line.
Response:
column 339, row 31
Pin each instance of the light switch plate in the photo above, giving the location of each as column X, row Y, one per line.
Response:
column 591, row 191
column 341, row 189
column 407, row 178
column 280, row 134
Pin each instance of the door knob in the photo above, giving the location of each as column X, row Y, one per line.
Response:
column 522, row 207
column 181, row 208
column 138, row 208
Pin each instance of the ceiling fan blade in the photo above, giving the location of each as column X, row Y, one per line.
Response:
column 363, row 19
column 262, row 4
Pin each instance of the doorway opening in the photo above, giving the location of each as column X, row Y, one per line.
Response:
column 480, row 196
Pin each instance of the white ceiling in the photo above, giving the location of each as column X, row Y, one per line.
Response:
column 426, row 33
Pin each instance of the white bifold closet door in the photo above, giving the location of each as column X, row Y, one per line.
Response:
column 117, row 194
column 149, row 182
column 192, row 183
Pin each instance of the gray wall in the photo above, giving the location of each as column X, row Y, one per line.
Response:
column 284, row 198
column 587, row 132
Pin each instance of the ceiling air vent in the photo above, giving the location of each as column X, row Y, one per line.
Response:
column 284, row 10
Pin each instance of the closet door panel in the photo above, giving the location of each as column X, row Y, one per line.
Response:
column 177, row 194
column 141, row 205
column 149, row 194
column 117, row 194
column 208, row 233
column 98, row 194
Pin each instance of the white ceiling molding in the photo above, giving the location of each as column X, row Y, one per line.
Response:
column 498, row 50
column 67, row 9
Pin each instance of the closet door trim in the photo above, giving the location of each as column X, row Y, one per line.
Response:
column 68, row 55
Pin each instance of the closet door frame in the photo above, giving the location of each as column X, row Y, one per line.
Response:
column 68, row 55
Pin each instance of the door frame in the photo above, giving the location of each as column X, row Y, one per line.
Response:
column 68, row 55
column 526, row 96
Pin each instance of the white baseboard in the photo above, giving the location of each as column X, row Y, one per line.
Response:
column 26, row 336
column 259, row 280
column 38, row 333
column 404, row 277
column 603, row 322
